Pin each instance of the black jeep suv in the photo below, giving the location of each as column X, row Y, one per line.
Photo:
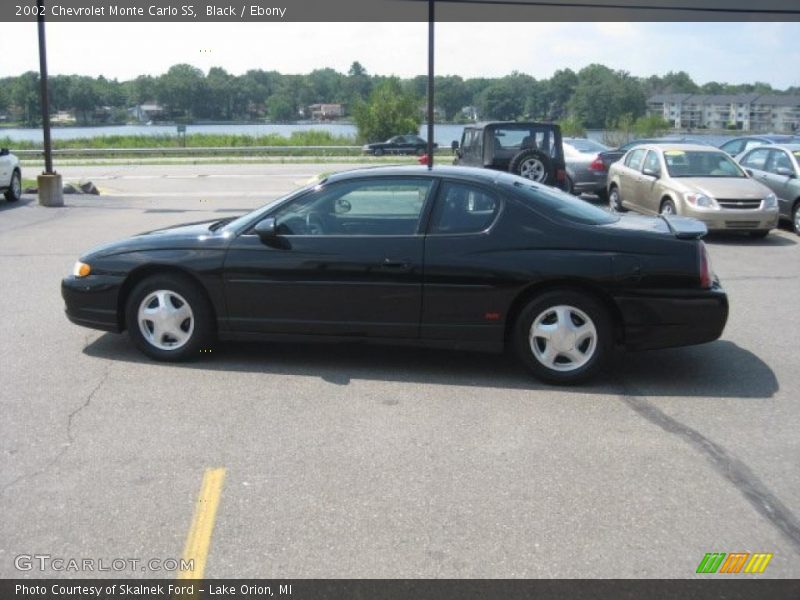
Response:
column 533, row 150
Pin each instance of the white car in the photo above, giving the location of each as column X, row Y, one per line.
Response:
column 10, row 176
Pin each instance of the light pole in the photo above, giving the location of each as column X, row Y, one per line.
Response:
column 49, row 182
column 430, row 83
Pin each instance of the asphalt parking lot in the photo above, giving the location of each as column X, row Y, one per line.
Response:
column 358, row 461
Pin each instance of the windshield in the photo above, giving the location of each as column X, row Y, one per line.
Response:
column 560, row 204
column 254, row 215
column 697, row 163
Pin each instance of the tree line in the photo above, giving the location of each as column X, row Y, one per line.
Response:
column 593, row 97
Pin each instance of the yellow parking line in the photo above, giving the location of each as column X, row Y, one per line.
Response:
column 205, row 513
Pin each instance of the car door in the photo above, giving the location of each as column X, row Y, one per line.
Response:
column 346, row 260
column 648, row 190
column 755, row 163
column 780, row 176
column 630, row 178
column 462, row 300
column 5, row 170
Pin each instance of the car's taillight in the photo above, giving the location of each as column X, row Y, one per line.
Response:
column 597, row 165
column 561, row 175
column 706, row 276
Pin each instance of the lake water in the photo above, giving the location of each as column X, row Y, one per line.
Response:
column 444, row 134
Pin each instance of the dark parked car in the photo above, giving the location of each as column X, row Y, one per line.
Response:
column 399, row 144
column 609, row 157
column 778, row 167
column 448, row 257
column 532, row 150
column 738, row 146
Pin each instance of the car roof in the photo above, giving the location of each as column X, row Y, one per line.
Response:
column 789, row 147
column 769, row 137
column 487, row 176
column 680, row 146
column 485, row 124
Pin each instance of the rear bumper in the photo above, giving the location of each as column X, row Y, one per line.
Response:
column 92, row 301
column 662, row 320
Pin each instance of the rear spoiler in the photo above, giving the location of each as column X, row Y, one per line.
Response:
column 685, row 228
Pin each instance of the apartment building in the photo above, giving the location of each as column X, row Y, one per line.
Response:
column 778, row 113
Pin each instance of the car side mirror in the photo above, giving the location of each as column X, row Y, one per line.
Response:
column 785, row 171
column 651, row 172
column 4, row 152
column 266, row 230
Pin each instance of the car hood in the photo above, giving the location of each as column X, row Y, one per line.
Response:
column 178, row 236
column 720, row 187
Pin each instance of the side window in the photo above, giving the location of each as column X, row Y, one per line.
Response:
column 752, row 144
column 373, row 207
column 733, row 147
column 651, row 161
column 778, row 159
column 463, row 208
column 757, row 159
column 634, row 159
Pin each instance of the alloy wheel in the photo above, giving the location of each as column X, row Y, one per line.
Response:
column 563, row 338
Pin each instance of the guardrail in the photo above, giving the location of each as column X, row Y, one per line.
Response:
column 190, row 150
column 196, row 151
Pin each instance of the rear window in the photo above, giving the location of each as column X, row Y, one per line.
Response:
column 562, row 205
column 586, row 145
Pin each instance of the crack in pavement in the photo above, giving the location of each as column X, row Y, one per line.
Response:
column 736, row 472
column 70, row 436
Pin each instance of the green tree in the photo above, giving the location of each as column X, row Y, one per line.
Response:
column 25, row 96
column 182, row 89
column 450, row 94
column 572, row 127
column 388, row 111
column 281, row 108
column 558, row 91
column 501, row 101
column 650, row 126
column 603, row 95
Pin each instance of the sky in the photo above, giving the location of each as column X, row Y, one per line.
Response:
column 724, row 52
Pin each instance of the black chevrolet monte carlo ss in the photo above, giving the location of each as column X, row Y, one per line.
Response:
column 454, row 257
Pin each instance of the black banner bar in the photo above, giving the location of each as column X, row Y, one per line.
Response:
column 394, row 589
column 188, row 11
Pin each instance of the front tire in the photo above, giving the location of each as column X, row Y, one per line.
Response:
column 14, row 191
column 534, row 165
column 563, row 337
column 378, row 152
column 169, row 318
column 668, row 208
column 796, row 218
column 614, row 200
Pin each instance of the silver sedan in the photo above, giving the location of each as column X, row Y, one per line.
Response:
column 586, row 172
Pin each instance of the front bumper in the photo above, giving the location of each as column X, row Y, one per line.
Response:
column 92, row 301
column 736, row 220
column 659, row 319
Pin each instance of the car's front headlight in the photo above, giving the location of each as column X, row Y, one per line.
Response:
column 770, row 201
column 81, row 269
column 701, row 201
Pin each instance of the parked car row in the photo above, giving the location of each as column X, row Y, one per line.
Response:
column 750, row 192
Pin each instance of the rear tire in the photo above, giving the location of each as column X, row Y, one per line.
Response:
column 796, row 217
column 14, row 191
column 169, row 318
column 534, row 165
column 378, row 152
column 563, row 337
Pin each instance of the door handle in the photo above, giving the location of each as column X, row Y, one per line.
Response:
column 390, row 263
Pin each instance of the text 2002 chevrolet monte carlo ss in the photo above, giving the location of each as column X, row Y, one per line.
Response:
column 453, row 257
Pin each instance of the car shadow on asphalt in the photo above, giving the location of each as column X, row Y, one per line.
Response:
column 26, row 200
column 720, row 369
